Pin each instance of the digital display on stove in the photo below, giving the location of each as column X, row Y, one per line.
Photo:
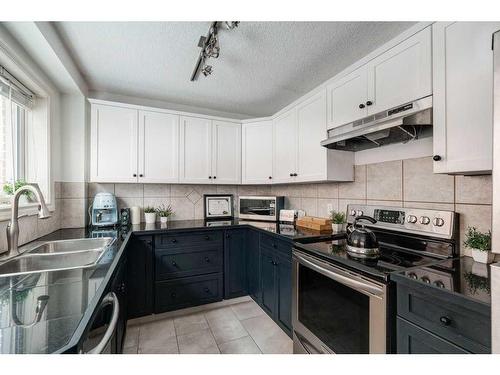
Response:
column 389, row 216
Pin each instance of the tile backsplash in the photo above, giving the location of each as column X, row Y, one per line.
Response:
column 403, row 183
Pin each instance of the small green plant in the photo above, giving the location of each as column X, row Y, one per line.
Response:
column 477, row 240
column 9, row 190
column 163, row 211
column 149, row 210
column 337, row 217
column 475, row 283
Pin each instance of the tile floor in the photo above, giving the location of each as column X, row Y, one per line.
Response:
column 242, row 328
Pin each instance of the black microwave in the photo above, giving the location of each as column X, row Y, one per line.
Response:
column 263, row 208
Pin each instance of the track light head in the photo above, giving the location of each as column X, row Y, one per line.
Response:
column 206, row 70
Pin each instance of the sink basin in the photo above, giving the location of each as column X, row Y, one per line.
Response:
column 70, row 246
column 58, row 255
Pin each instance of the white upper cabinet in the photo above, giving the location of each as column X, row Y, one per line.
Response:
column 285, row 147
column 347, row 97
column 257, row 152
column 395, row 77
column 402, row 74
column 226, row 159
column 195, row 150
column 114, row 132
column 463, row 96
column 158, row 147
column 311, row 130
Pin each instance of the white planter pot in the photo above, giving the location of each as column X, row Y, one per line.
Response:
column 337, row 228
column 482, row 256
column 163, row 219
column 150, row 217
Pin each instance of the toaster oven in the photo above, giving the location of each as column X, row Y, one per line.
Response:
column 265, row 208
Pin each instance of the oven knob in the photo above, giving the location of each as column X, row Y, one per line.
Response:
column 353, row 213
column 439, row 284
column 425, row 279
column 359, row 213
column 425, row 220
column 412, row 219
column 438, row 222
column 413, row 275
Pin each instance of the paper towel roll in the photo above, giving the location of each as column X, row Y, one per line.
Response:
column 135, row 215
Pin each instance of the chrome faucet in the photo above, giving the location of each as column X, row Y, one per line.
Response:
column 13, row 226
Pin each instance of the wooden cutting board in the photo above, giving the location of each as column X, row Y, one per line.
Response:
column 318, row 224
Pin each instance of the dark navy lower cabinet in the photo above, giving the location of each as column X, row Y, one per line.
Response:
column 268, row 281
column 235, row 275
column 253, row 266
column 139, row 276
column 284, row 297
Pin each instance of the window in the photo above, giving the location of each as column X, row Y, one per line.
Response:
column 15, row 110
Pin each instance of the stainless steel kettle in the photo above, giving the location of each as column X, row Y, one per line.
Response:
column 362, row 242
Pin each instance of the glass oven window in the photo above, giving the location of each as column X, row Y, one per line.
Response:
column 336, row 314
column 263, row 207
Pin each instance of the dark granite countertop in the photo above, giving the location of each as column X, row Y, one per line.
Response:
column 74, row 294
column 460, row 276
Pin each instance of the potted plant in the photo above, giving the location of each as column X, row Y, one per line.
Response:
column 164, row 213
column 480, row 244
column 338, row 221
column 150, row 215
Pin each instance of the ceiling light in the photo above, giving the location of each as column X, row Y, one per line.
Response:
column 207, row 70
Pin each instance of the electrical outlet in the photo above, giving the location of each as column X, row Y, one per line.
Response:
column 329, row 207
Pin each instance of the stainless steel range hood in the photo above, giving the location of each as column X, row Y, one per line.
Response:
column 401, row 124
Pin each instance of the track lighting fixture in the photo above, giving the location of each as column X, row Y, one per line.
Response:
column 210, row 47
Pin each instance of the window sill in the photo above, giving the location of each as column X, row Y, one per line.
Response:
column 28, row 209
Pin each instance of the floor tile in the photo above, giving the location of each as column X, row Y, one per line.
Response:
column 268, row 335
column 227, row 329
column 131, row 337
column 244, row 345
column 222, row 313
column 247, row 310
column 201, row 342
column 156, row 334
column 168, row 346
column 190, row 323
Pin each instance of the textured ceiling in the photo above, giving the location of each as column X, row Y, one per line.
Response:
column 263, row 66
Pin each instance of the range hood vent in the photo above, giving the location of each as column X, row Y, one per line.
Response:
column 397, row 125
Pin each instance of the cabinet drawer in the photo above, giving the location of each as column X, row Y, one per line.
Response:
column 191, row 291
column 172, row 263
column 272, row 243
column 465, row 324
column 415, row 340
column 177, row 240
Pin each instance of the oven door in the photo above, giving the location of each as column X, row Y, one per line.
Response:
column 336, row 310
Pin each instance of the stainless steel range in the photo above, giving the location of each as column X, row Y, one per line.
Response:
column 343, row 303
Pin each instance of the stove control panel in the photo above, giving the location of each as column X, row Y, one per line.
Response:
column 431, row 277
column 436, row 223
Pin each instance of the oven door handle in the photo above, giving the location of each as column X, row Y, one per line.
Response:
column 356, row 284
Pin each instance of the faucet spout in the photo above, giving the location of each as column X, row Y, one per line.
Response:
column 13, row 226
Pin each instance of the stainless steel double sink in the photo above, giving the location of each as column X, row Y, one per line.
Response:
column 57, row 255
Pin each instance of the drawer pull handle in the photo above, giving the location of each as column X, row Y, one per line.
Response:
column 207, row 238
column 173, row 295
column 207, row 259
column 445, row 320
column 174, row 240
column 207, row 290
column 174, row 264
column 275, row 246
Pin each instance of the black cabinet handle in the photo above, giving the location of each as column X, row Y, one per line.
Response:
column 134, row 175
column 361, row 106
column 173, row 295
column 295, row 175
column 174, row 240
column 207, row 290
column 369, row 102
column 141, row 175
column 207, row 259
column 228, row 236
column 207, row 238
column 270, row 177
column 174, row 263
column 210, row 177
column 291, row 174
column 215, row 177
column 275, row 246
column 445, row 320
column 436, row 158
column 149, row 242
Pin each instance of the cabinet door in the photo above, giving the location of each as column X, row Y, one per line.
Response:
column 226, row 159
column 463, row 100
column 285, row 147
column 268, row 281
column 311, row 130
column 345, row 97
column 402, row 74
column 195, row 150
column 140, row 277
column 114, row 132
column 158, row 147
column 235, row 281
column 253, row 265
column 119, row 287
column 284, row 297
column 257, row 152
